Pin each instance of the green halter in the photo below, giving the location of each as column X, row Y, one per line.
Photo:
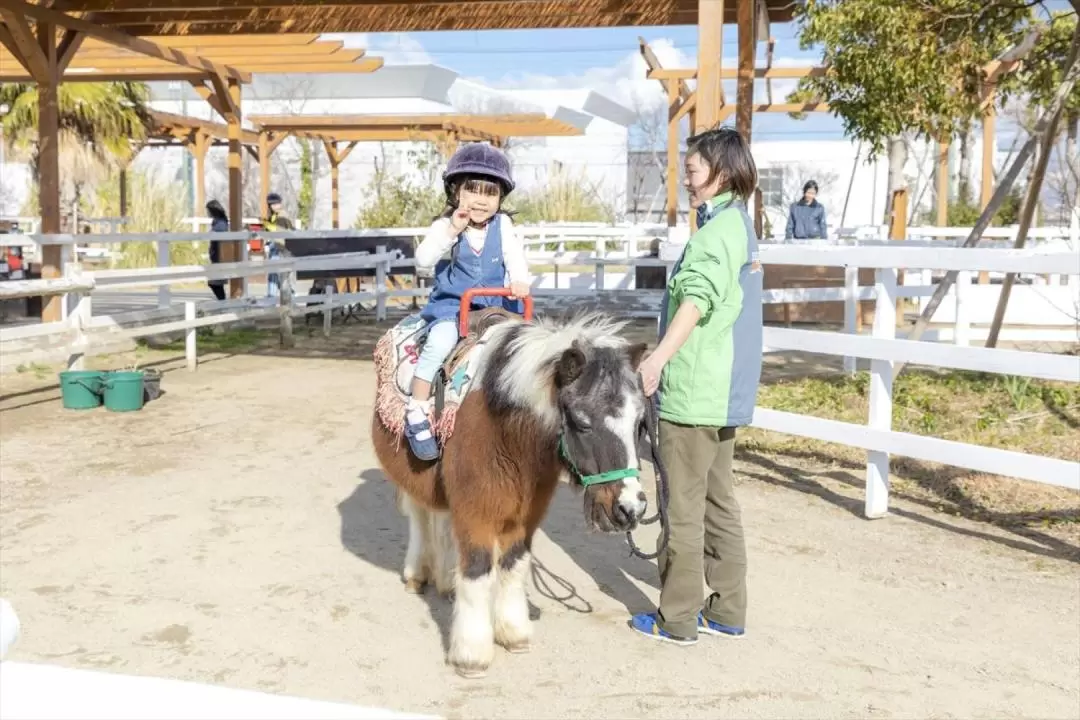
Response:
column 598, row 478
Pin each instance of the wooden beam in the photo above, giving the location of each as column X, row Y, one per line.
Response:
column 24, row 43
column 653, row 64
column 229, row 108
column 672, row 158
column 265, row 152
column 710, row 46
column 198, row 148
column 72, row 76
column 136, row 44
column 69, row 45
column 941, row 175
column 766, row 73
column 232, row 250
column 7, row 40
column 49, row 165
column 128, row 61
column 986, row 184
column 744, row 95
column 768, row 66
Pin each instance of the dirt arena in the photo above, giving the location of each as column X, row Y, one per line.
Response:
column 238, row 532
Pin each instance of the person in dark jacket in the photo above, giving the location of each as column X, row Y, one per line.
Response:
column 806, row 220
column 219, row 222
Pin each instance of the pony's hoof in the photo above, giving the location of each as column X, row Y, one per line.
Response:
column 470, row 672
column 519, row 648
column 414, row 586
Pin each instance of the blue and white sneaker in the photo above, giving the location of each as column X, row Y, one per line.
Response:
column 648, row 624
column 711, row 627
column 420, row 436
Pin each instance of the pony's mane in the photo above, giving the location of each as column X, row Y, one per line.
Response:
column 518, row 366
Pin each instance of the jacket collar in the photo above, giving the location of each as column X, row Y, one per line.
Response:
column 706, row 212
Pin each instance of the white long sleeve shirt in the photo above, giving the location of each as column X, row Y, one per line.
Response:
column 440, row 240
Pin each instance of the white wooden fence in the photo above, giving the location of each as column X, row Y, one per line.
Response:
column 882, row 347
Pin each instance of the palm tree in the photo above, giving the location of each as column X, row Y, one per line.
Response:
column 104, row 118
column 99, row 124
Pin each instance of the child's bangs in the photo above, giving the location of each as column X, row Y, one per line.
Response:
column 482, row 186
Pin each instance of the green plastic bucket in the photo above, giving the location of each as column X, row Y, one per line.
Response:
column 124, row 391
column 81, row 389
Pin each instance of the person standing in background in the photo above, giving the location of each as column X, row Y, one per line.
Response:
column 274, row 221
column 806, row 219
column 219, row 222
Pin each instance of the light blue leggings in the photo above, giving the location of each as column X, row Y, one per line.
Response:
column 441, row 339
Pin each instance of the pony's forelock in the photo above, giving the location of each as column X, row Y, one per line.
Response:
column 520, row 360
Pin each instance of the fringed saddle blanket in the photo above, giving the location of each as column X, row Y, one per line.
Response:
column 396, row 356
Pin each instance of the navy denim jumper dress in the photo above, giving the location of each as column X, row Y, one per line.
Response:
column 467, row 269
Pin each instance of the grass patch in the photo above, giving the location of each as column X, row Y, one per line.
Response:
column 231, row 341
column 1022, row 414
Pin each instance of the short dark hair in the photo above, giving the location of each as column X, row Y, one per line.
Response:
column 810, row 184
column 728, row 156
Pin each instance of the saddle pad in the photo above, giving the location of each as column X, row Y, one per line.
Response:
column 396, row 356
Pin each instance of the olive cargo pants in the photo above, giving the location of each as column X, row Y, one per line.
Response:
column 706, row 534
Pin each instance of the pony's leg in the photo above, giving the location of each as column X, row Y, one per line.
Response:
column 513, row 628
column 415, row 572
column 472, row 639
column 443, row 552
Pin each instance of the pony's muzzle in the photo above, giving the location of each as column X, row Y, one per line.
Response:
column 630, row 506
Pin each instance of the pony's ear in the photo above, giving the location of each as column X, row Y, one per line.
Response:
column 569, row 367
column 637, row 353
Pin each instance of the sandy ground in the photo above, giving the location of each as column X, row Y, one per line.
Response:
column 238, row 532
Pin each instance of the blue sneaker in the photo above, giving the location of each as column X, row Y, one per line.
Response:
column 420, row 436
column 711, row 627
column 648, row 625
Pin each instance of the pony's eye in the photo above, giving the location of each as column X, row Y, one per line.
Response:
column 580, row 422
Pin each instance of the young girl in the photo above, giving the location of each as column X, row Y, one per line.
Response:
column 707, row 367
column 485, row 253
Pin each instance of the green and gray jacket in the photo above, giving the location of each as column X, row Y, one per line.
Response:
column 713, row 379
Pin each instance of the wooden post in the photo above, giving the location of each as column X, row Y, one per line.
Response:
column 191, row 353
column 285, row 301
column 744, row 95
column 941, row 175
column 986, row 188
column 672, row 153
column 236, row 185
column 710, row 92
column 264, row 163
column 123, row 191
column 49, row 166
column 199, row 146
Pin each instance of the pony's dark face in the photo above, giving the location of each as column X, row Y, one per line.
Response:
column 601, row 406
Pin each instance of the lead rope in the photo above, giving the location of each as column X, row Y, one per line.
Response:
column 652, row 422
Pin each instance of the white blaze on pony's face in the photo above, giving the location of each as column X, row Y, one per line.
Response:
column 579, row 380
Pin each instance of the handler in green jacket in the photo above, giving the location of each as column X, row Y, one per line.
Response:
column 707, row 367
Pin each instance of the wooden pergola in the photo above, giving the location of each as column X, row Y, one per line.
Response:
column 47, row 51
column 683, row 102
column 445, row 130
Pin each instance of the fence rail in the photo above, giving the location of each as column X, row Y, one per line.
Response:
column 80, row 332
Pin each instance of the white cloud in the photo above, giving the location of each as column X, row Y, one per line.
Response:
column 393, row 48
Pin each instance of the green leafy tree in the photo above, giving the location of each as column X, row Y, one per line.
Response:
column 104, row 118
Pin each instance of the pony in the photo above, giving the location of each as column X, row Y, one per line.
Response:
column 550, row 401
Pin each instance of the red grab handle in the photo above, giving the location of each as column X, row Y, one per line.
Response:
column 466, row 303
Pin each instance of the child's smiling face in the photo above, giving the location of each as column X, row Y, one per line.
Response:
column 480, row 199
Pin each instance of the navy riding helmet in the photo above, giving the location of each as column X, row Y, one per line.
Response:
column 479, row 159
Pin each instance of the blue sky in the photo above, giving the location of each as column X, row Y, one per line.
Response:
column 491, row 55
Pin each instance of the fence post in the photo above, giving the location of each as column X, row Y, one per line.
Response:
column 163, row 293
column 328, row 310
column 68, row 258
column 962, row 320
column 245, row 256
column 851, row 311
column 599, row 275
column 79, row 321
column 881, row 386
column 382, row 269
column 190, row 336
column 285, row 299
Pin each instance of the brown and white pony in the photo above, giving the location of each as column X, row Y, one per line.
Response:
column 550, row 400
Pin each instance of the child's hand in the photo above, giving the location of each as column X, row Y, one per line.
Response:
column 459, row 220
column 650, row 370
column 519, row 290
